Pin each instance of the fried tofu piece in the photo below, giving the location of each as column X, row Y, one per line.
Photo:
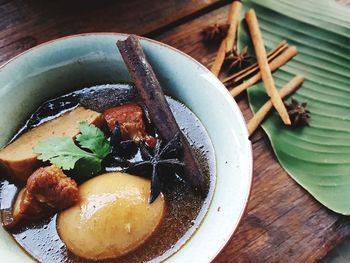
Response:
column 18, row 161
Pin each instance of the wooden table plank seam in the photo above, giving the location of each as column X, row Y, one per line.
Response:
column 278, row 207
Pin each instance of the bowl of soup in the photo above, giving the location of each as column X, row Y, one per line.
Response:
column 78, row 85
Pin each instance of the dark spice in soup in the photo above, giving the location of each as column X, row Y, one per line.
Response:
column 184, row 208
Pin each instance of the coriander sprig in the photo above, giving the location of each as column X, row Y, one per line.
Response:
column 64, row 153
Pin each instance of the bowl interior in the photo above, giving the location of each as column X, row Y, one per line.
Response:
column 70, row 63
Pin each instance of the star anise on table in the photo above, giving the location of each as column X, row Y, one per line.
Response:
column 237, row 60
column 163, row 158
column 215, row 32
column 298, row 114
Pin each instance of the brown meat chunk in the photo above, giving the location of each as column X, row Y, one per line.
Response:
column 51, row 186
column 26, row 206
column 130, row 120
column 48, row 190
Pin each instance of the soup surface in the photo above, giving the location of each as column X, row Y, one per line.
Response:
column 184, row 210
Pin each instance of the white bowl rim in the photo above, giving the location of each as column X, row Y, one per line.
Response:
column 220, row 85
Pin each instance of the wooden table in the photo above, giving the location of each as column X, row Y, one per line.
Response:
column 283, row 223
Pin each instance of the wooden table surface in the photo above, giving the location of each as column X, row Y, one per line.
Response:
column 283, row 223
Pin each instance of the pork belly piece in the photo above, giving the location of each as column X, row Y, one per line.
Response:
column 17, row 160
column 25, row 207
column 48, row 190
column 130, row 120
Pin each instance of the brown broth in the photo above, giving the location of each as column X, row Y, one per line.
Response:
column 185, row 210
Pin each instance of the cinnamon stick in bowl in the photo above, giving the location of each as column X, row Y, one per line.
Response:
column 158, row 109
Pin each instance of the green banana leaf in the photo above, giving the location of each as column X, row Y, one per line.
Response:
column 317, row 157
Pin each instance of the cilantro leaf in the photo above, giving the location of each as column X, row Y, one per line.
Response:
column 93, row 139
column 64, row 153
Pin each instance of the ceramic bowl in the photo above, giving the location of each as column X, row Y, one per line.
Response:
column 69, row 63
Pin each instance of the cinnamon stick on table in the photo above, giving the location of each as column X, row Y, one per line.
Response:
column 159, row 111
column 275, row 52
column 274, row 64
column 266, row 75
column 219, row 59
column 260, row 115
column 233, row 20
column 229, row 40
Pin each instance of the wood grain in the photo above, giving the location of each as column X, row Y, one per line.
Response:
column 283, row 222
column 26, row 23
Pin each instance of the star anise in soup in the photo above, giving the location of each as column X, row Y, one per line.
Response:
column 164, row 158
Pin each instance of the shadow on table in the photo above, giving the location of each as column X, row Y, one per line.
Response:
column 340, row 254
